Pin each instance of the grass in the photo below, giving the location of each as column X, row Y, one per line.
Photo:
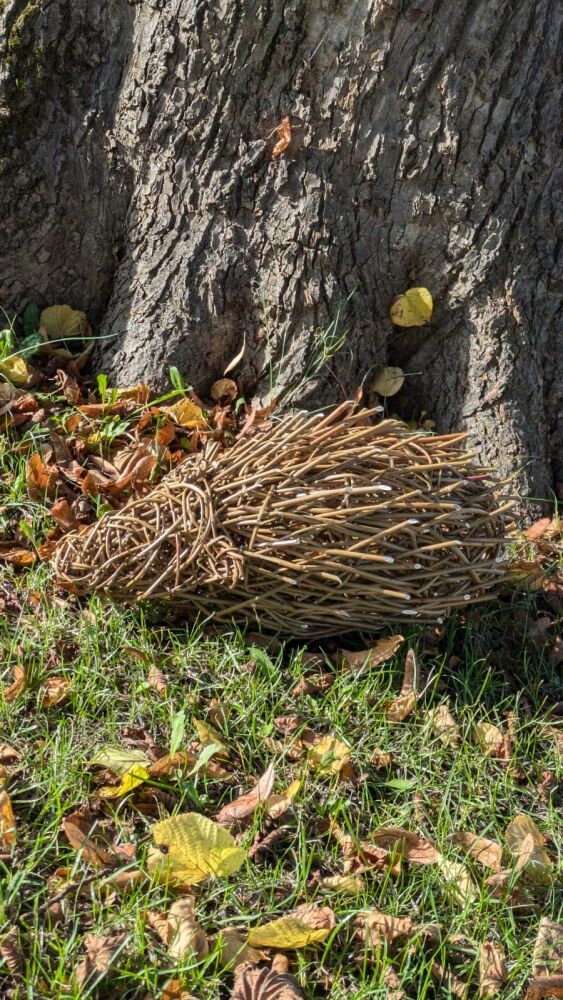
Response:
column 429, row 787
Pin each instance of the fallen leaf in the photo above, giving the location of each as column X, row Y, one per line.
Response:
column 86, row 834
column 453, row 984
column 502, row 886
column 237, row 358
column 234, row 949
column 367, row 659
column 287, row 724
column 54, row 691
column 278, row 804
column 493, row 973
column 491, row 741
column 180, row 931
column 224, row 390
column 380, row 759
column 40, row 479
column 174, row 990
column 307, row 925
column 486, row 852
column 327, row 753
column 406, row 845
column 7, row 818
column 283, row 131
column 60, row 322
column 413, row 308
column 351, row 885
column 444, row 725
column 547, row 962
column 19, row 684
column 265, row 984
column 208, row 736
column 140, row 393
column 400, row 708
column 388, row 381
column 15, row 369
column 379, row 929
column 526, row 843
column 196, row 849
column 157, row 680
column 135, row 776
column 16, row 555
column 102, row 953
column 61, row 512
column 457, row 884
column 11, row 950
column 120, row 760
column 186, row 760
column 8, row 754
column 187, row 414
column 314, row 684
column 245, row 805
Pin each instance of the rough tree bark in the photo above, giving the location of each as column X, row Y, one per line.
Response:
column 138, row 183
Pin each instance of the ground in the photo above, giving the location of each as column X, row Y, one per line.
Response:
column 485, row 674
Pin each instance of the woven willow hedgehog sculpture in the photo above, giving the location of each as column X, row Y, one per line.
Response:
column 323, row 525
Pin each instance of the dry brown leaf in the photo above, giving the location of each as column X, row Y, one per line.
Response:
column 444, row 725
column 380, row 759
column 283, row 131
column 8, row 754
column 157, row 681
column 278, row 804
column 174, row 990
column 400, row 708
column 7, row 818
column 19, row 684
column 287, row 724
column 54, row 691
column 16, row 555
column 224, row 390
column 457, row 987
column 367, row 659
column 102, row 953
column 234, row 949
column 492, row 741
column 547, row 959
column 243, row 807
column 265, row 984
column 185, row 759
column 61, row 512
column 219, row 713
column 180, row 931
column 40, row 479
column 407, row 846
column 378, row 929
column 486, row 852
column 11, row 950
column 501, row 886
column 493, row 972
column 85, row 834
column 527, row 846
column 361, row 856
column 314, row 684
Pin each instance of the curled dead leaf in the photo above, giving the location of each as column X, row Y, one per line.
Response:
column 11, row 950
column 444, row 725
column 493, row 972
column 486, row 852
column 157, row 680
column 102, row 952
column 366, row 659
column 54, row 691
column 378, row 929
column 234, row 949
column 224, row 390
column 7, row 818
column 400, row 708
column 265, row 984
column 407, row 846
column 243, row 807
column 180, row 931
column 13, row 691
column 526, row 843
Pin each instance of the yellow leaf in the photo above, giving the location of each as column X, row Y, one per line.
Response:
column 197, row 849
column 207, row 736
column 60, row 322
column 7, row 818
column 351, row 885
column 488, row 738
column 120, row 760
column 413, row 308
column 293, row 931
column 135, row 776
column 329, row 754
column 188, row 414
column 527, row 845
column 457, row 884
column 140, row 393
column 388, row 381
column 15, row 369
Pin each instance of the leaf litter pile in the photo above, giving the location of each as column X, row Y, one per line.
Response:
column 189, row 816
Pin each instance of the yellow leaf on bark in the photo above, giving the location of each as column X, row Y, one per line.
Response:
column 413, row 308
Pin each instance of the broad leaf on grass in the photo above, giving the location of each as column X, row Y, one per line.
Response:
column 305, row 926
column 328, row 754
column 233, row 948
column 492, row 741
column 196, row 849
column 102, row 952
column 547, row 962
column 54, row 691
column 526, row 843
column 444, row 725
column 493, row 972
column 276, row 983
column 486, row 852
column 243, row 807
column 407, row 846
column 180, row 931
column 19, row 684
column 131, row 779
column 278, row 804
column 120, row 760
column 87, row 834
column 457, row 884
column 378, row 929
column 208, row 735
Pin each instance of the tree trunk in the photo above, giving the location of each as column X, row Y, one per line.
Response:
column 139, row 183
